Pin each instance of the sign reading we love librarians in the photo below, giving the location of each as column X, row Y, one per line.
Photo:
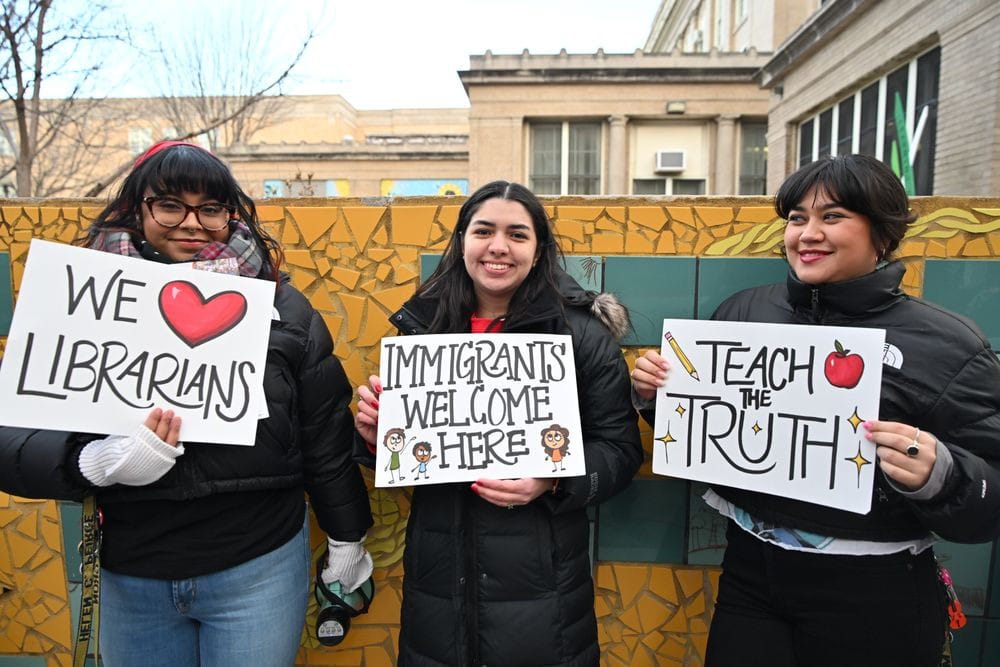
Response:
column 99, row 339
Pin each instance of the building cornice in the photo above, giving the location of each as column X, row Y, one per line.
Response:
column 638, row 67
column 832, row 18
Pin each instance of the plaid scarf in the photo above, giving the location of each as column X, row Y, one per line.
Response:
column 240, row 247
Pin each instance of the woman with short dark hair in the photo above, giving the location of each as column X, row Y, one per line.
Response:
column 807, row 585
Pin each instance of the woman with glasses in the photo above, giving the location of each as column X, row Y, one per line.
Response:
column 205, row 548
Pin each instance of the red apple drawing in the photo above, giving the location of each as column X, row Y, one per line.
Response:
column 843, row 369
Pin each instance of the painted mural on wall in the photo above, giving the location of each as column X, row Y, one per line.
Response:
column 358, row 262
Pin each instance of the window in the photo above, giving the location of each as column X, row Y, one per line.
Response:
column 753, row 159
column 687, row 186
column 139, row 140
column 565, row 158
column 894, row 119
column 649, row 186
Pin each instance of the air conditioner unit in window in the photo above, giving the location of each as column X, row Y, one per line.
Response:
column 670, row 161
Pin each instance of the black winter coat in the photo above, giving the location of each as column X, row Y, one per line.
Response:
column 494, row 587
column 948, row 384
column 305, row 441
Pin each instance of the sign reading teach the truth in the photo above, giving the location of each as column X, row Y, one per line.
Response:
column 99, row 339
column 461, row 407
column 776, row 408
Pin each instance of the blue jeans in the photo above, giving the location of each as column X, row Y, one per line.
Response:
column 251, row 614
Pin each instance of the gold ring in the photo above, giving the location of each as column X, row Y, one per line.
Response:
column 914, row 447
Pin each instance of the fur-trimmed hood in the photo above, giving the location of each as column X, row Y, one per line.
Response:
column 605, row 306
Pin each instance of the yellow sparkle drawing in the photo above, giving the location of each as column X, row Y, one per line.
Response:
column 859, row 461
column 756, row 428
column 680, row 410
column 666, row 439
column 855, row 420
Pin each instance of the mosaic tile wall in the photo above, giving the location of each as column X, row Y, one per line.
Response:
column 656, row 546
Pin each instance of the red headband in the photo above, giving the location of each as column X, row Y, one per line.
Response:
column 162, row 145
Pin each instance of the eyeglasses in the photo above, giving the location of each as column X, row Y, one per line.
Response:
column 169, row 212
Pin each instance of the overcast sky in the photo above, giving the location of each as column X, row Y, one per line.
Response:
column 382, row 54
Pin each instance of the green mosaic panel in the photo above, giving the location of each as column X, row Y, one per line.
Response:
column 967, row 647
column 968, row 287
column 706, row 542
column 645, row 523
column 720, row 277
column 969, row 565
column 994, row 597
column 6, row 294
column 588, row 270
column 653, row 288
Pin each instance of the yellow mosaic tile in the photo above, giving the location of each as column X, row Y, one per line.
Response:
column 607, row 244
column 312, row 221
column 616, row 213
column 346, row 277
column 392, row 299
column 354, row 306
column 713, row 216
column 289, row 236
column 976, row 248
column 666, row 244
column 405, row 274
column 448, row 217
column 411, row 225
column 362, row 221
column 270, row 213
column 652, row 217
column 579, row 212
column 755, row 214
column 681, row 214
column 637, row 244
column 379, row 254
column 570, row 229
column 300, row 258
column 382, row 272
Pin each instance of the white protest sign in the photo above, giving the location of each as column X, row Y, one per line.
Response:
column 776, row 408
column 99, row 339
column 461, row 407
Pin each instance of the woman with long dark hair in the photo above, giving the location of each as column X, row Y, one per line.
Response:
column 205, row 547
column 498, row 572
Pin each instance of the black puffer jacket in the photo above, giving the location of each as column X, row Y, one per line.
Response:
column 305, row 441
column 489, row 586
column 948, row 384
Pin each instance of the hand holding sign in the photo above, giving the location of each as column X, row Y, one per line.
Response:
column 764, row 407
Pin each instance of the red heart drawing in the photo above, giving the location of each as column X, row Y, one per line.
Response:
column 196, row 319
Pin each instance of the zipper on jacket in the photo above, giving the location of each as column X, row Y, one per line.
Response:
column 814, row 298
column 471, row 580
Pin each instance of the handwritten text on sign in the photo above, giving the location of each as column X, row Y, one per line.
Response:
column 99, row 339
column 775, row 408
column 461, row 407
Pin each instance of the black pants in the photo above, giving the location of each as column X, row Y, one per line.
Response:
column 781, row 608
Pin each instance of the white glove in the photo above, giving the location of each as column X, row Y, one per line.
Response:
column 347, row 562
column 135, row 460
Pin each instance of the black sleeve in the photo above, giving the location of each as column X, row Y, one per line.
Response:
column 611, row 444
column 332, row 478
column 36, row 463
column 966, row 418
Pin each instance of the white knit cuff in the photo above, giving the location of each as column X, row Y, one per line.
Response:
column 135, row 460
column 347, row 562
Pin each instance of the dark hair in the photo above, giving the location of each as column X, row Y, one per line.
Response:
column 860, row 184
column 450, row 283
column 173, row 170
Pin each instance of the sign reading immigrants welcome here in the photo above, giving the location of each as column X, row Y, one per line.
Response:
column 99, row 339
column 776, row 408
column 461, row 407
